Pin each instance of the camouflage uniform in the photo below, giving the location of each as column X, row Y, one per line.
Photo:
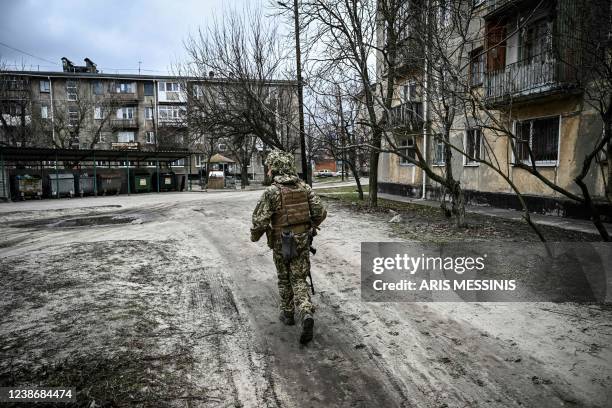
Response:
column 292, row 285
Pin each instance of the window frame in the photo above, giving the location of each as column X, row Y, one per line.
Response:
column 148, row 109
column 44, row 108
column 47, row 88
column 72, row 89
column 466, row 161
column 125, row 132
column 437, row 142
column 150, row 141
column 538, row 163
column 478, row 58
column 410, row 145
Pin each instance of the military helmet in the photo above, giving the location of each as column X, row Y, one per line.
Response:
column 281, row 162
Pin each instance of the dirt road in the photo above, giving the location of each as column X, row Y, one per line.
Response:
column 162, row 300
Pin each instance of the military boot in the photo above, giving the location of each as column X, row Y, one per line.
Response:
column 287, row 318
column 307, row 329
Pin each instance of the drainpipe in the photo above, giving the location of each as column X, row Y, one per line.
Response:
column 52, row 112
column 425, row 110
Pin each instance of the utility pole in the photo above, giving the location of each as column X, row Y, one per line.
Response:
column 298, row 63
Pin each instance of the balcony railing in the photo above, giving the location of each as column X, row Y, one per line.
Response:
column 123, row 96
column 172, row 122
column 124, row 123
column 408, row 115
column 538, row 75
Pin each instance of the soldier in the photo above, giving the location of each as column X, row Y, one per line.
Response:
column 288, row 213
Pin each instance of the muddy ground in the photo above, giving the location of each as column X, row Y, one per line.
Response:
column 162, row 300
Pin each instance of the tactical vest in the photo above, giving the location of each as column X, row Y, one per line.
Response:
column 294, row 212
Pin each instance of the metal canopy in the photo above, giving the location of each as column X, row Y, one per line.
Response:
column 46, row 154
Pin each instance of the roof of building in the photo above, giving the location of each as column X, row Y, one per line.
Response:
column 217, row 158
column 101, row 75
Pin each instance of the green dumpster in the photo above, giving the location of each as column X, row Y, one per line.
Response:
column 141, row 183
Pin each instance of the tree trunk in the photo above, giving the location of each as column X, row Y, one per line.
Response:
column 244, row 175
column 608, row 132
column 458, row 206
column 373, row 180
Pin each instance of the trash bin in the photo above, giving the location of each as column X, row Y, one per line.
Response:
column 216, row 180
column 61, row 184
column 109, row 184
column 167, row 181
column 86, row 184
column 141, row 183
column 28, row 186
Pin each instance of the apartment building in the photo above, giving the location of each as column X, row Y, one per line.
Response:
column 522, row 64
column 81, row 108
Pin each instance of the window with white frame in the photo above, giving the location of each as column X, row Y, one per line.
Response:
column 101, row 138
column 45, row 85
column 149, row 113
column 168, row 87
column 409, row 92
column 439, row 158
column 473, row 141
column 73, row 116
column 540, row 137
column 124, row 87
column 150, row 137
column 44, row 112
column 98, row 112
column 125, row 137
column 169, row 113
column 71, row 90
column 127, row 112
column 407, row 148
column 178, row 163
column 477, row 67
column 197, row 91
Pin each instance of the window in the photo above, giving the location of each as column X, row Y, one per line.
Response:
column 98, row 88
column 178, row 163
column 98, row 112
column 439, row 158
column 73, row 116
column 409, row 92
column 496, row 46
column 149, row 113
column 148, row 88
column 536, row 41
column 170, row 113
column 477, row 67
column 101, row 138
column 125, row 113
column 197, row 91
column 71, row 90
column 45, row 86
column 125, row 137
column 44, row 111
column 541, row 136
column 445, row 13
column 407, row 148
column 222, row 147
column 124, row 87
column 472, row 145
column 150, row 137
column 172, row 87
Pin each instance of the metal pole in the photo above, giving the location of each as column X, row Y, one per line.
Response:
column 189, row 172
column 298, row 63
column 56, row 177
column 94, row 175
column 127, row 166
column 157, row 161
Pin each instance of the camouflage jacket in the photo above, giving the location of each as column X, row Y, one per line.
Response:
column 270, row 202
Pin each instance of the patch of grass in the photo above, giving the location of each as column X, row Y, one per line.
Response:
column 344, row 189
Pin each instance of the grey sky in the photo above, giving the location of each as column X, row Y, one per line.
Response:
column 115, row 34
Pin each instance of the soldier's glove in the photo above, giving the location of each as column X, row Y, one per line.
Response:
column 255, row 235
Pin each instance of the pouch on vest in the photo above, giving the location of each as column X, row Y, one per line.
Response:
column 288, row 247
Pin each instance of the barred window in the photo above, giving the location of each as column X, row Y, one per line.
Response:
column 541, row 136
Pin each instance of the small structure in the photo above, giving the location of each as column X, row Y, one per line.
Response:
column 216, row 180
column 28, row 186
column 61, row 184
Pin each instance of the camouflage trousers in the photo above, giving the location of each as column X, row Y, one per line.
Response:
column 293, row 288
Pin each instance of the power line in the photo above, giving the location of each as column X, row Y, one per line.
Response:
column 27, row 53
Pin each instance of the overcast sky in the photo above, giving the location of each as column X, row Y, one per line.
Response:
column 115, row 34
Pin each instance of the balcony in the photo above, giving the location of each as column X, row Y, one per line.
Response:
column 496, row 7
column 124, row 123
column 123, row 96
column 173, row 122
column 408, row 116
column 539, row 76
